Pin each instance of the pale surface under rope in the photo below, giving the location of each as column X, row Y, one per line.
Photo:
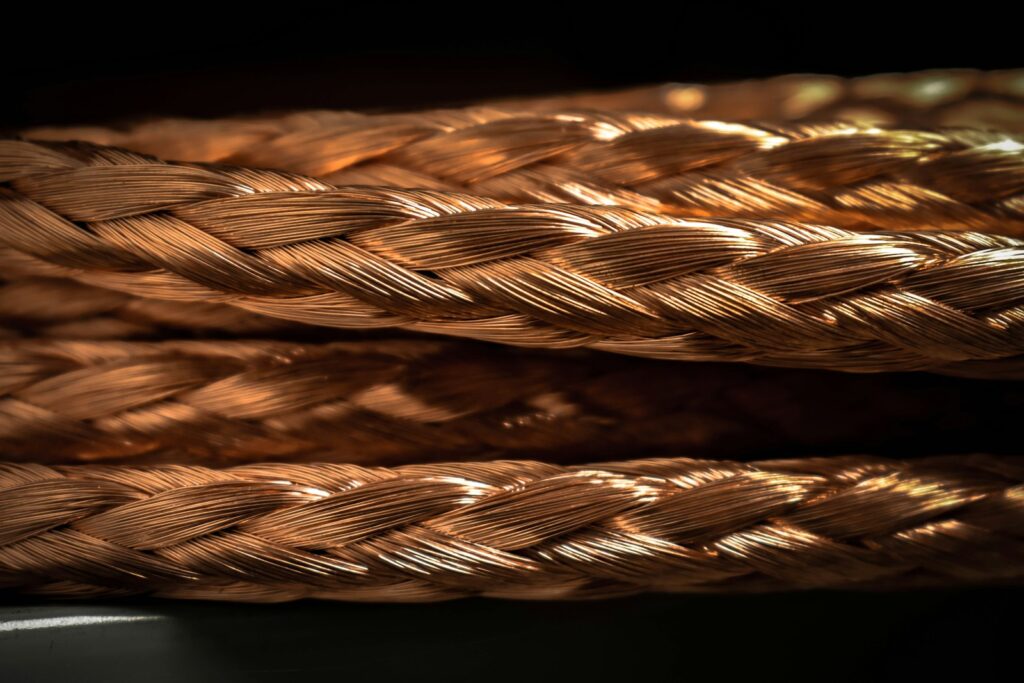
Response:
column 390, row 401
column 523, row 530
column 841, row 174
column 552, row 276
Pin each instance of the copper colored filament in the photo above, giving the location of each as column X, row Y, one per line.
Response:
column 508, row 529
column 363, row 356
column 553, row 276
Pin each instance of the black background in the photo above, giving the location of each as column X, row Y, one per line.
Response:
column 80, row 67
column 66, row 66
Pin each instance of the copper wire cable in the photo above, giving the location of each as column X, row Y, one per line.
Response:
column 923, row 99
column 554, row 276
column 509, row 529
column 845, row 175
column 407, row 400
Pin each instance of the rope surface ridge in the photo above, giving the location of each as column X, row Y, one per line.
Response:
column 962, row 98
column 841, row 174
column 533, row 275
column 508, row 529
column 63, row 309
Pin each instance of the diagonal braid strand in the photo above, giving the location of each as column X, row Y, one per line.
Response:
column 509, row 529
column 392, row 401
column 554, row 276
column 846, row 175
column 63, row 309
column 960, row 98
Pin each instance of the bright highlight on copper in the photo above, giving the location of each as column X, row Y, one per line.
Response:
column 851, row 175
column 508, row 529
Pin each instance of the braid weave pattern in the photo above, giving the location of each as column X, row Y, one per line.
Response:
column 555, row 276
column 509, row 529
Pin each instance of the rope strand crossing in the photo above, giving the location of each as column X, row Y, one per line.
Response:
column 846, row 175
column 936, row 98
column 508, row 529
column 552, row 276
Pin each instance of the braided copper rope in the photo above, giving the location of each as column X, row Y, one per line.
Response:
column 508, row 529
column 533, row 275
column 63, row 309
column 924, row 99
column 406, row 400
column 844, row 175
column 954, row 98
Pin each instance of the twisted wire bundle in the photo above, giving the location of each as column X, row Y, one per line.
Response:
column 849, row 229
column 842, row 174
column 924, row 99
column 531, row 275
column 524, row 530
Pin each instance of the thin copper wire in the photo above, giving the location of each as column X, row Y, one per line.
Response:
column 555, row 276
column 846, row 175
column 509, row 529
column 406, row 400
column 961, row 98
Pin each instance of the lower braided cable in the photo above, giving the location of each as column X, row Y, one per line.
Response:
column 513, row 529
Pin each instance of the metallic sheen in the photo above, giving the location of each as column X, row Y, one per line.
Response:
column 541, row 275
column 508, row 529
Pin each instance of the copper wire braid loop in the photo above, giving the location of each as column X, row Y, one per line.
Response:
column 846, row 175
column 394, row 401
column 555, row 276
column 509, row 529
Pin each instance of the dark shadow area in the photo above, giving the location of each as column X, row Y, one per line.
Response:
column 83, row 67
column 816, row 635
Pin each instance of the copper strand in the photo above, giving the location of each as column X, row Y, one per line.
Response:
column 987, row 100
column 508, row 529
column 407, row 400
column 845, row 175
column 556, row 276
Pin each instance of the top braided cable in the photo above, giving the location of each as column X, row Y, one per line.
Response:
column 532, row 275
column 845, row 175
column 933, row 98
